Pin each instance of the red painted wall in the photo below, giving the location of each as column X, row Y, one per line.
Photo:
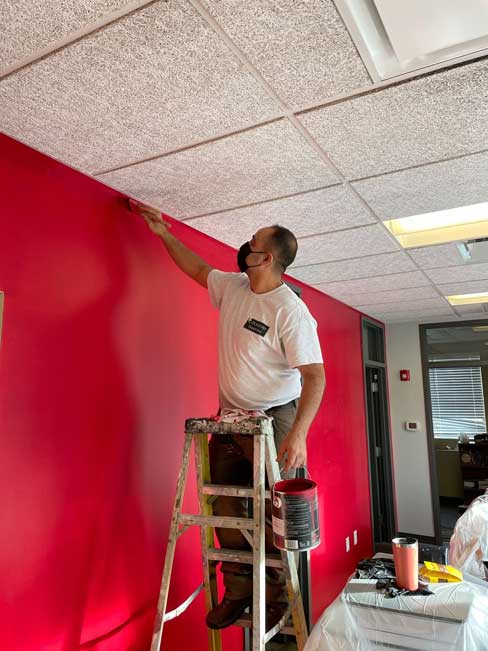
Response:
column 337, row 450
column 106, row 349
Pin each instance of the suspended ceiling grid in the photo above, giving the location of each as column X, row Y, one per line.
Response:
column 230, row 116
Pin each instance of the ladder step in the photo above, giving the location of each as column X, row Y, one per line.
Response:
column 231, row 491
column 238, row 556
column 251, row 426
column 245, row 621
column 223, row 521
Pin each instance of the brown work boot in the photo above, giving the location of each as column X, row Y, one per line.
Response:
column 227, row 612
column 274, row 612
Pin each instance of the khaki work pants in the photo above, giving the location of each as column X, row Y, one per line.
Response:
column 231, row 462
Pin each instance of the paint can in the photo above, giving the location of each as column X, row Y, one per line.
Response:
column 295, row 515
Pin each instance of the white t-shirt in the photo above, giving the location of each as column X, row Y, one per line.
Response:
column 262, row 338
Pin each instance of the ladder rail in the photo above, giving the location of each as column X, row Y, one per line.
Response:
column 259, row 558
column 289, row 560
column 171, row 546
column 202, row 466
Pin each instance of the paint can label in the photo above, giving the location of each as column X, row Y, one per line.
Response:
column 295, row 518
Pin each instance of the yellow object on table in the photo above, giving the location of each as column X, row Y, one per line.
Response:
column 435, row 573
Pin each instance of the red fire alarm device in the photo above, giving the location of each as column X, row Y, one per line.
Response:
column 405, row 376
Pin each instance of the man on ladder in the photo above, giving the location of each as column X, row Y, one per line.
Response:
column 269, row 360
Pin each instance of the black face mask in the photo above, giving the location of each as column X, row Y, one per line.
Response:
column 242, row 254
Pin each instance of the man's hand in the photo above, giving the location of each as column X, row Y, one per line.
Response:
column 189, row 262
column 293, row 451
column 152, row 217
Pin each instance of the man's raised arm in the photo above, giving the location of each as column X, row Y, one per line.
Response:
column 190, row 263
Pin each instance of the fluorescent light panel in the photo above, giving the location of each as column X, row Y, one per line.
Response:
column 480, row 328
column 455, row 224
column 468, row 299
column 396, row 38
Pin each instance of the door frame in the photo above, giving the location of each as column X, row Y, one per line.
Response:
column 386, row 435
column 424, row 356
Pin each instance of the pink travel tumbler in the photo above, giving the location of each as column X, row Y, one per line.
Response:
column 406, row 557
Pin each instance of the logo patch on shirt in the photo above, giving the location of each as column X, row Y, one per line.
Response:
column 256, row 326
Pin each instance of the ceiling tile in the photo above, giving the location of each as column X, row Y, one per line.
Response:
column 472, row 309
column 472, row 287
column 418, row 317
column 377, row 284
column 27, row 26
column 314, row 212
column 459, row 274
column 416, row 311
column 400, row 296
column 431, row 257
column 454, row 318
column 151, row 82
column 412, row 313
column 440, row 186
column 420, row 121
column 387, row 263
column 256, row 165
column 431, row 304
column 366, row 240
column 301, row 47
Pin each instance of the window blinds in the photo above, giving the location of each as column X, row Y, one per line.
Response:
column 457, row 401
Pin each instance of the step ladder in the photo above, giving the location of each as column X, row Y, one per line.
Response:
column 253, row 529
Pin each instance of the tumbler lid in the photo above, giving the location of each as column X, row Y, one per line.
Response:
column 405, row 542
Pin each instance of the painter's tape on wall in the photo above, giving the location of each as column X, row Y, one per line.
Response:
column 1, row 314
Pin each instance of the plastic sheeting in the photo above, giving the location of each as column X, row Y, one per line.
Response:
column 362, row 618
column 469, row 543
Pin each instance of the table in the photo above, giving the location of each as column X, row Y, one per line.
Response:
column 362, row 618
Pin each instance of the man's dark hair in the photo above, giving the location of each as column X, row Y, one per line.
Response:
column 283, row 245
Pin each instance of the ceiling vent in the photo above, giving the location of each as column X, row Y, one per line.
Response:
column 473, row 251
column 398, row 39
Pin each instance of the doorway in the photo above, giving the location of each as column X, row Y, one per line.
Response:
column 455, row 373
column 379, row 447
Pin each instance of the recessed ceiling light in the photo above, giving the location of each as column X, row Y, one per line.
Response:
column 468, row 299
column 456, row 224
column 394, row 38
